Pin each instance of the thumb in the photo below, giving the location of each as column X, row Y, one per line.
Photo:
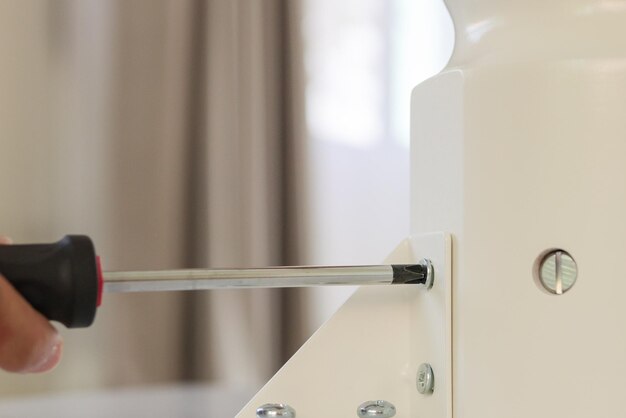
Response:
column 28, row 343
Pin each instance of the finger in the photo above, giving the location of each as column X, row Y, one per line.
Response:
column 5, row 240
column 28, row 342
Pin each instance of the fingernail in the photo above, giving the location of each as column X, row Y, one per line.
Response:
column 51, row 359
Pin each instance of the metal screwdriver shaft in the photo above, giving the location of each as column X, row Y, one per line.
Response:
column 207, row 279
column 64, row 280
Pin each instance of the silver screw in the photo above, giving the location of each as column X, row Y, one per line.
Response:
column 425, row 379
column 275, row 410
column 430, row 272
column 557, row 272
column 379, row 409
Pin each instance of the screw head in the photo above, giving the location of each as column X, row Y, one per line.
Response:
column 275, row 410
column 557, row 271
column 425, row 379
column 379, row 409
column 430, row 272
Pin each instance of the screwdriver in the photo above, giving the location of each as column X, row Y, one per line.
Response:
column 64, row 281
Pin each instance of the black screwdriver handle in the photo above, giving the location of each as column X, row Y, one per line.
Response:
column 61, row 280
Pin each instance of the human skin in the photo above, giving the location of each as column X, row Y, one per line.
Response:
column 28, row 342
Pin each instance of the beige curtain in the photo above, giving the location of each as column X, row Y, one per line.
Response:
column 171, row 132
column 252, row 119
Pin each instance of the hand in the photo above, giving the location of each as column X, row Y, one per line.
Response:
column 28, row 342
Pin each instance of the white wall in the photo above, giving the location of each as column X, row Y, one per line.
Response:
column 363, row 57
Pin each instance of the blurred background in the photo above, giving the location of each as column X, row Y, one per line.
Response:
column 196, row 133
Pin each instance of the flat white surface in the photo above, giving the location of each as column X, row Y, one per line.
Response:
column 366, row 351
column 529, row 126
column 431, row 327
column 157, row 402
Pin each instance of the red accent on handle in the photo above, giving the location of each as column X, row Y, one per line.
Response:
column 100, row 281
